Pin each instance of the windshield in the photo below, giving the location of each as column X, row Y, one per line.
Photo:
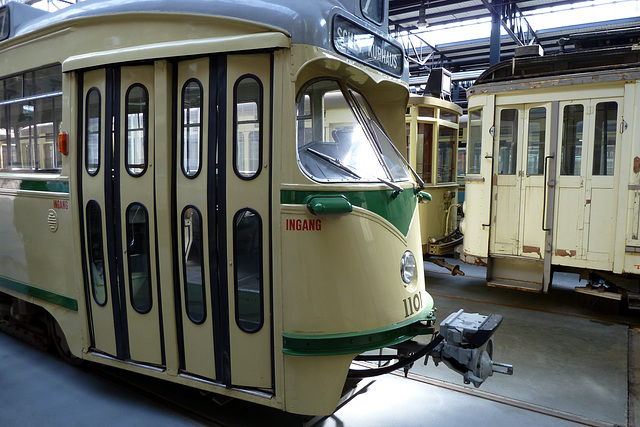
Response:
column 334, row 146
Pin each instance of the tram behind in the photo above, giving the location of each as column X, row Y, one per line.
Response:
column 432, row 145
column 224, row 206
column 553, row 172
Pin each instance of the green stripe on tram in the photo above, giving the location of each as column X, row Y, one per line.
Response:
column 398, row 211
column 358, row 342
column 39, row 293
column 47, row 186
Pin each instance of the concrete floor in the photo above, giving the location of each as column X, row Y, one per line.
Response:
column 571, row 367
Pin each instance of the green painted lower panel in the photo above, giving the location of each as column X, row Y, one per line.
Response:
column 358, row 342
column 39, row 293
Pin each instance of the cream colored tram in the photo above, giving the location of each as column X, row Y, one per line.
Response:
column 432, row 149
column 227, row 209
column 553, row 168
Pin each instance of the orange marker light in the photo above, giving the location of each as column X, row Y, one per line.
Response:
column 63, row 142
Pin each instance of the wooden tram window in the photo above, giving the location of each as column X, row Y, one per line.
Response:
column 508, row 140
column 604, row 138
column 247, row 95
column 446, row 158
column 474, row 145
column 191, row 128
column 96, row 253
column 137, row 129
column 138, row 257
column 4, row 23
column 424, row 153
column 536, row 136
column 571, row 153
column 92, row 131
column 247, row 255
column 193, row 265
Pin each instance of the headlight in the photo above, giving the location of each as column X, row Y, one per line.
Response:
column 408, row 267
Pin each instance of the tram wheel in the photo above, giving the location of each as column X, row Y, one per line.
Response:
column 60, row 343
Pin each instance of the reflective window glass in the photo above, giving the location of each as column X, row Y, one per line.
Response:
column 604, row 138
column 508, row 145
column 447, row 144
column 137, row 129
column 424, row 153
column 248, row 127
column 4, row 23
column 92, row 131
column 191, row 128
column 193, row 265
column 571, row 152
column 138, row 257
column 474, row 144
column 536, row 136
column 247, row 254
column 96, row 253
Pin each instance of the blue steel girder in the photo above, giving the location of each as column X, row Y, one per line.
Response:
column 512, row 20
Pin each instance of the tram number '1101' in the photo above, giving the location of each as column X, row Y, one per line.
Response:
column 412, row 305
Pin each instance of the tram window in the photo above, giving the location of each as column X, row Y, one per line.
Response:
column 30, row 116
column 571, row 153
column 449, row 116
column 96, row 253
column 474, row 145
column 193, row 265
column 4, row 23
column 536, row 140
column 446, row 157
column 426, row 112
column 604, row 138
column 191, row 128
column 508, row 145
column 138, row 257
column 44, row 80
column 247, row 96
column 137, row 129
column 92, row 132
column 424, row 152
column 373, row 10
column 332, row 143
column 247, row 254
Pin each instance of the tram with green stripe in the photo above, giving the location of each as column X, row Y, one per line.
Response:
column 213, row 195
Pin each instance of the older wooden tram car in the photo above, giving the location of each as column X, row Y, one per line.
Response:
column 209, row 194
column 432, row 150
column 553, row 172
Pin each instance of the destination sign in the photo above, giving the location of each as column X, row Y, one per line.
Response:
column 358, row 43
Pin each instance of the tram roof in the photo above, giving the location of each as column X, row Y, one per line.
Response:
column 306, row 22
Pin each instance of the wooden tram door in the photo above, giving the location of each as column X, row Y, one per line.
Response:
column 584, row 228
column 117, row 176
column 222, row 212
column 522, row 134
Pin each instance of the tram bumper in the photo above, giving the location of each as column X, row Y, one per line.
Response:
column 467, row 346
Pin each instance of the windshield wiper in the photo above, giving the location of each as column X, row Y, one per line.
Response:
column 337, row 163
column 334, row 162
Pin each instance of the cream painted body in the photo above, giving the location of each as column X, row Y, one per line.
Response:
column 352, row 282
column 593, row 224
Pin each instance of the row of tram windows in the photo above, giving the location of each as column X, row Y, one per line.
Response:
column 30, row 116
column 445, row 141
column 571, row 155
column 247, row 231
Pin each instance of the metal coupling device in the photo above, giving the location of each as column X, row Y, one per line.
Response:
column 468, row 346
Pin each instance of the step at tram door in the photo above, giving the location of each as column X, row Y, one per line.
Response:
column 174, row 183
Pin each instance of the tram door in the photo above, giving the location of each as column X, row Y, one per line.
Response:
column 586, row 200
column 118, row 196
column 223, row 216
column 519, row 155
